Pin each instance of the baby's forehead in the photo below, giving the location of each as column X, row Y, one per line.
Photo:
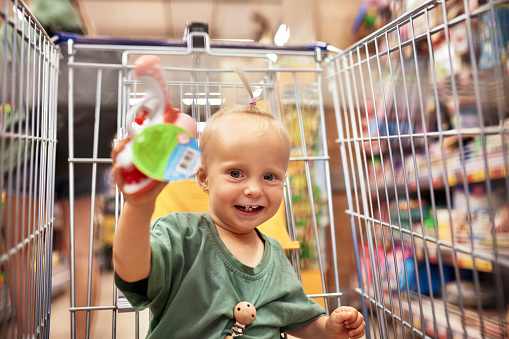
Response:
column 250, row 122
column 242, row 118
column 234, row 127
column 249, row 128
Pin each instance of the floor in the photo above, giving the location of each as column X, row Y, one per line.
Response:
column 60, row 316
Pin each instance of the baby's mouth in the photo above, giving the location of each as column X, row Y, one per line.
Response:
column 248, row 208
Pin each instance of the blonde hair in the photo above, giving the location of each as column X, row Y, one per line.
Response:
column 263, row 121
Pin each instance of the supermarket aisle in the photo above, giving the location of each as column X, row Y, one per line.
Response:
column 60, row 316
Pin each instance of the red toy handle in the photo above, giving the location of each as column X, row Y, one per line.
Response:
column 149, row 69
column 155, row 108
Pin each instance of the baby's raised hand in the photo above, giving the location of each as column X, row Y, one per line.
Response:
column 140, row 196
column 346, row 321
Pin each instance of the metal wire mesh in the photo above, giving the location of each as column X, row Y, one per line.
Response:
column 422, row 116
column 28, row 77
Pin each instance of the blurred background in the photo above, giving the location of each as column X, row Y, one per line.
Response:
column 339, row 23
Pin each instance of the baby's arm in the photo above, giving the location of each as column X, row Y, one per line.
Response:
column 131, row 243
column 344, row 322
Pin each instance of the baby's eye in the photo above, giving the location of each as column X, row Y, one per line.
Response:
column 269, row 177
column 235, row 174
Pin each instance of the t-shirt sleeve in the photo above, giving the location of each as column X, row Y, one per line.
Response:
column 295, row 308
column 135, row 292
column 304, row 310
column 166, row 262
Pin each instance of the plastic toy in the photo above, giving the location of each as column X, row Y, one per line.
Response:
column 163, row 146
column 244, row 314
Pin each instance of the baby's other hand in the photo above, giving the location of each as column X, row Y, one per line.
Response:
column 346, row 321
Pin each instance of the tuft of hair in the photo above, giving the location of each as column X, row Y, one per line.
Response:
column 242, row 75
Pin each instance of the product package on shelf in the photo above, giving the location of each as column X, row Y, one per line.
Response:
column 301, row 114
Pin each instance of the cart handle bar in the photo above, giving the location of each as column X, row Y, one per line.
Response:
column 62, row 37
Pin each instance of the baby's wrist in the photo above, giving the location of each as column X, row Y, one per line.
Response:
column 328, row 325
column 144, row 207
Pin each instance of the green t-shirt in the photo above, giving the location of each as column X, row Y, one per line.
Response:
column 195, row 282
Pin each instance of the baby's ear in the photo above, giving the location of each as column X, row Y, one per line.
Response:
column 201, row 177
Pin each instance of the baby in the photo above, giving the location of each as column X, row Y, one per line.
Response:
column 192, row 269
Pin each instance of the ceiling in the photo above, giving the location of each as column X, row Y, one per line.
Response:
column 309, row 20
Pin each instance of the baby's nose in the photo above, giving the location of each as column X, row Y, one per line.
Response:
column 253, row 189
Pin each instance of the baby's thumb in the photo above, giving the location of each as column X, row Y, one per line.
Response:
column 116, row 172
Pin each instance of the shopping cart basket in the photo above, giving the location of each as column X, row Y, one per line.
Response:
column 28, row 78
column 422, row 113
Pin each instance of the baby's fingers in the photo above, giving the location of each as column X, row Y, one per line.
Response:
column 116, row 172
column 356, row 332
column 356, row 328
column 117, row 149
column 355, row 320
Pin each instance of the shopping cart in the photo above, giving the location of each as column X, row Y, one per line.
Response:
column 28, row 77
column 422, row 113
column 200, row 80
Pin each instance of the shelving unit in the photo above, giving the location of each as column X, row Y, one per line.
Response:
column 423, row 126
column 469, row 325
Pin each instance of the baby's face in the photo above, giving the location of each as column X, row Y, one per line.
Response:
column 245, row 175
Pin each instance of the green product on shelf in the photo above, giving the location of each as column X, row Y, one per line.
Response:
column 404, row 217
column 429, row 223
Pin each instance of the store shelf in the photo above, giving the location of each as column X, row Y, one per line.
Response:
column 484, row 261
column 447, row 317
column 474, row 172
